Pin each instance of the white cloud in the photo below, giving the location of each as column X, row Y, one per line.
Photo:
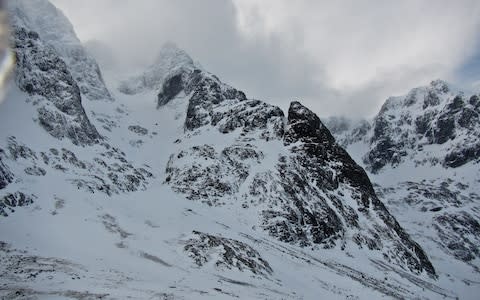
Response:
column 340, row 57
column 358, row 42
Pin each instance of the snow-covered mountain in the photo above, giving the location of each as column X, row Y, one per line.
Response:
column 180, row 186
column 431, row 125
column 422, row 151
column 170, row 62
column 57, row 32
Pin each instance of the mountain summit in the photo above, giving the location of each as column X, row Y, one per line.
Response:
column 57, row 32
column 170, row 60
column 422, row 152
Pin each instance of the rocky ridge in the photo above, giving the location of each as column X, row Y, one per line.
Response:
column 57, row 33
column 422, row 153
column 313, row 193
column 431, row 125
column 46, row 78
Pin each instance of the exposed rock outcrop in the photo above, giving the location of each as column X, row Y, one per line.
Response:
column 312, row 194
column 56, row 32
column 6, row 175
column 435, row 115
column 46, row 78
column 226, row 253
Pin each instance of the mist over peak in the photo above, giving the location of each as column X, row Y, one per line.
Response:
column 341, row 58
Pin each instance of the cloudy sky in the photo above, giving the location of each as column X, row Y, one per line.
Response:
column 338, row 57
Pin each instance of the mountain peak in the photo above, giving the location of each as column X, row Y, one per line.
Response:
column 305, row 125
column 55, row 28
column 171, row 60
column 298, row 111
column 430, row 125
column 440, row 85
column 56, row 31
column 170, row 54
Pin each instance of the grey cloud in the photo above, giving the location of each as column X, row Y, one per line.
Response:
column 337, row 58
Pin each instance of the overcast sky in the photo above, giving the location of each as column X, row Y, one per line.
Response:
column 338, row 57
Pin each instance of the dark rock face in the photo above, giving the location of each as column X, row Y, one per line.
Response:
column 445, row 129
column 460, row 156
column 384, row 149
column 474, row 100
column 138, row 129
column 45, row 77
column 35, row 171
column 431, row 99
column 250, row 116
column 17, row 199
column 232, row 254
column 19, row 151
column 330, row 167
column 457, row 118
column 301, row 215
column 319, row 144
column 306, row 127
column 212, row 176
column 216, row 174
column 427, row 196
column 442, row 118
column 460, row 234
column 384, row 152
column 209, row 94
column 5, row 175
column 422, row 123
column 170, row 89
